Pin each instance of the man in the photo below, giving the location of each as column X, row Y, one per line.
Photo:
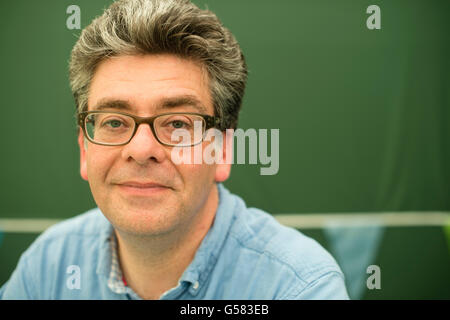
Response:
column 142, row 70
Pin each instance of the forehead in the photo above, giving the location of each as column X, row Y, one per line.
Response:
column 150, row 84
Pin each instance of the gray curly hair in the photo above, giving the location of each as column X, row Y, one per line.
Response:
column 133, row 27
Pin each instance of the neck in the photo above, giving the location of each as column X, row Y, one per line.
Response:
column 152, row 265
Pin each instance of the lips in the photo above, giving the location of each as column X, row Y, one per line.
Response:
column 143, row 189
column 142, row 185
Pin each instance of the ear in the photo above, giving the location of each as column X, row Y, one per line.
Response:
column 223, row 170
column 83, row 160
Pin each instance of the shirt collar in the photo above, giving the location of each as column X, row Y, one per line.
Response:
column 108, row 266
column 208, row 252
column 105, row 257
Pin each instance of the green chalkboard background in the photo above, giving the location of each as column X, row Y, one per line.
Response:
column 363, row 118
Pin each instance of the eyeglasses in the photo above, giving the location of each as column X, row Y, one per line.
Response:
column 118, row 128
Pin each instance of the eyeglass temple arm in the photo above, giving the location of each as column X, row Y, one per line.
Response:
column 213, row 122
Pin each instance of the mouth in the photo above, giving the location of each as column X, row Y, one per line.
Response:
column 142, row 188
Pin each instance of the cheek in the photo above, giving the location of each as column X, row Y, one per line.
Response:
column 197, row 177
column 98, row 164
column 190, row 164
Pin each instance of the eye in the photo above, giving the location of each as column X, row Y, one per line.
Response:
column 113, row 123
column 177, row 124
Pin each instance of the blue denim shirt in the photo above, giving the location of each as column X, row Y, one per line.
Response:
column 246, row 254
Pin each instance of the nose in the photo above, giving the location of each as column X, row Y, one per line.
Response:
column 144, row 146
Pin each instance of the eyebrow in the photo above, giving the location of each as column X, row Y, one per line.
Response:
column 164, row 104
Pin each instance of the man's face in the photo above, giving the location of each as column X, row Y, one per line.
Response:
column 148, row 85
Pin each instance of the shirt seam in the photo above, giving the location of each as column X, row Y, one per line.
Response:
column 68, row 234
column 329, row 267
column 295, row 295
column 43, row 241
column 32, row 284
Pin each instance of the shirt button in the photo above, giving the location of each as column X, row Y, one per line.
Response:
column 195, row 286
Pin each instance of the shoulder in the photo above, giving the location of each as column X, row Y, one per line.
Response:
column 257, row 230
column 42, row 268
column 300, row 262
column 84, row 226
column 69, row 238
column 90, row 223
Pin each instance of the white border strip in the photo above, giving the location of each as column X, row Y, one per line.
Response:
column 26, row 225
column 387, row 219
column 296, row 220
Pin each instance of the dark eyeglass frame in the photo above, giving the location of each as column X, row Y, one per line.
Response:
column 210, row 122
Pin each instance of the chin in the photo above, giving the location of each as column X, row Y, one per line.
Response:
column 144, row 222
